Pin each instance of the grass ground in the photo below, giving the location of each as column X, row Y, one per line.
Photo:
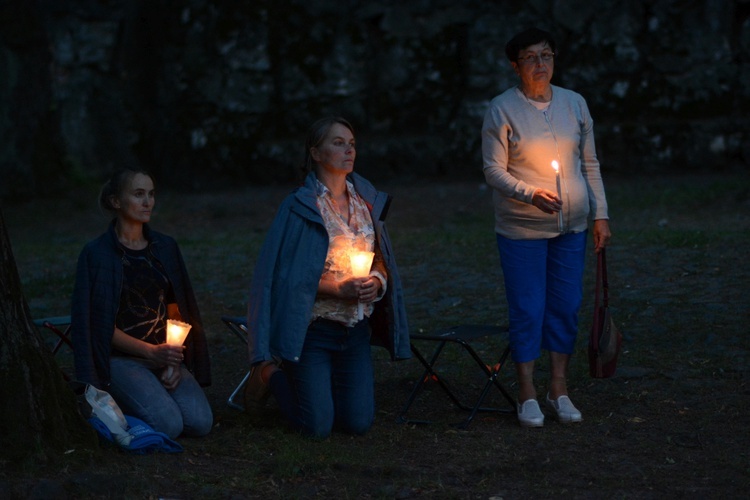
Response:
column 673, row 422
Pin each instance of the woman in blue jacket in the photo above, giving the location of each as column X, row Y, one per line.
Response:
column 129, row 281
column 304, row 300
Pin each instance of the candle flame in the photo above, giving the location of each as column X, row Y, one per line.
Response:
column 555, row 165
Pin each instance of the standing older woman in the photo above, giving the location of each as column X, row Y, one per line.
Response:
column 303, row 310
column 129, row 281
column 541, row 224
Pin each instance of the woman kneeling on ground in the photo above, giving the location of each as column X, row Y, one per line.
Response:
column 129, row 282
column 309, row 345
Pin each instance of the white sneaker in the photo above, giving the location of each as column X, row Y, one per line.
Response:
column 529, row 414
column 566, row 412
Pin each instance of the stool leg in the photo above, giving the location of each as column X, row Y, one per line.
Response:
column 500, row 386
column 492, row 380
column 236, row 391
column 63, row 336
column 426, row 375
column 236, row 326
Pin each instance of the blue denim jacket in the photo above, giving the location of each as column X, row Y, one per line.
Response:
column 288, row 270
column 96, row 299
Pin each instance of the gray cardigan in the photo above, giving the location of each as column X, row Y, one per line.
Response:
column 519, row 143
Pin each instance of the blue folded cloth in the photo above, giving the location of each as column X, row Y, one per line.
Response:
column 143, row 440
column 101, row 428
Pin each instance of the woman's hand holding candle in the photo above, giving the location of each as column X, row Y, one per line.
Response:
column 363, row 289
column 170, row 378
column 546, row 201
column 166, row 354
column 368, row 289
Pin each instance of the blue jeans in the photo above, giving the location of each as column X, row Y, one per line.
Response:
column 136, row 388
column 332, row 385
column 544, row 289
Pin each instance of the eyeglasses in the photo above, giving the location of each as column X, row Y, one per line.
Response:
column 544, row 57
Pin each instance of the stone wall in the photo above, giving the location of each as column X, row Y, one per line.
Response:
column 207, row 93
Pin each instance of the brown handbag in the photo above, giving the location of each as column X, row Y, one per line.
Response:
column 605, row 342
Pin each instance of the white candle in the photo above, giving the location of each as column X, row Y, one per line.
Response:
column 176, row 333
column 361, row 263
column 556, row 166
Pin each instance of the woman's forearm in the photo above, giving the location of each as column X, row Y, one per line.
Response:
column 328, row 287
column 131, row 345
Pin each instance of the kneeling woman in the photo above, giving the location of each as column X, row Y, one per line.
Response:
column 129, row 281
column 303, row 311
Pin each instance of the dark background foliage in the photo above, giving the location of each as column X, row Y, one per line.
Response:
column 212, row 93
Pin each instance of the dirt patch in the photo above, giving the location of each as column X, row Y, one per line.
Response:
column 672, row 423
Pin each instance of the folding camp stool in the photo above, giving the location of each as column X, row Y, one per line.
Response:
column 238, row 326
column 460, row 335
column 60, row 326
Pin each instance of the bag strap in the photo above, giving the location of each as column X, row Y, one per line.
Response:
column 601, row 292
column 605, row 283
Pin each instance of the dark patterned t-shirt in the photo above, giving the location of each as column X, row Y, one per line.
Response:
column 146, row 291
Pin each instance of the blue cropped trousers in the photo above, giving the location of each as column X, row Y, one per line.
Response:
column 544, row 289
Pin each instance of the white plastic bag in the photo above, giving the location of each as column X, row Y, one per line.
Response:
column 104, row 407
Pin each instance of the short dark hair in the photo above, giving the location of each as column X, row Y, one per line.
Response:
column 318, row 131
column 527, row 38
column 116, row 185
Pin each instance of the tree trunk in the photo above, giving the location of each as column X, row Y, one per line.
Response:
column 39, row 417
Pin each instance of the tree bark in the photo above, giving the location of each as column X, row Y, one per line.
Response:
column 39, row 417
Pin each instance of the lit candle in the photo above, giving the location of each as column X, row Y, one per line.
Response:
column 556, row 166
column 176, row 333
column 361, row 263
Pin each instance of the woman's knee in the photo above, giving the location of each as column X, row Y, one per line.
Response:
column 318, row 430
column 321, row 426
column 315, row 421
column 167, row 419
column 198, row 424
column 358, row 427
